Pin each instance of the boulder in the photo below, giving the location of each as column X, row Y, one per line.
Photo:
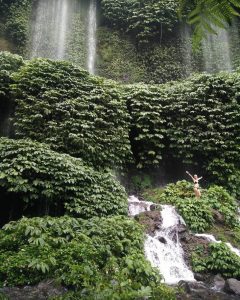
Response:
column 218, row 217
column 232, row 286
column 43, row 291
column 218, row 283
column 201, row 291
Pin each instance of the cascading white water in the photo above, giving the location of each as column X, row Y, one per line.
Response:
column 211, row 238
column 164, row 250
column 50, row 29
column 216, row 51
column 65, row 29
column 187, row 53
column 135, row 207
column 62, row 28
column 92, row 27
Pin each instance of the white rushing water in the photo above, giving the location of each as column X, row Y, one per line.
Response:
column 187, row 53
column 135, row 206
column 164, row 250
column 65, row 29
column 217, row 52
column 92, row 27
column 50, row 29
column 211, row 238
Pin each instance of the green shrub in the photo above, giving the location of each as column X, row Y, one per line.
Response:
column 18, row 22
column 221, row 200
column 220, row 260
column 9, row 63
column 63, row 106
column 102, row 256
column 196, row 213
column 48, row 181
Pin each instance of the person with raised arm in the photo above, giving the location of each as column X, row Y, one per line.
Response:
column 196, row 187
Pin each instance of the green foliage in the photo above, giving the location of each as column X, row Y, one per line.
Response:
column 63, row 106
column 220, row 260
column 118, row 58
column 17, row 23
column 9, row 63
column 102, row 256
column 197, row 213
column 140, row 182
column 87, row 117
column 196, row 121
column 146, row 21
column 220, row 200
column 148, row 124
column 206, row 15
column 48, row 181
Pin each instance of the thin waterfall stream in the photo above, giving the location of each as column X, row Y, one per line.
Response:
column 92, row 27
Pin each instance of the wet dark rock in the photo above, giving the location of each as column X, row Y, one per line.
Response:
column 189, row 242
column 218, row 217
column 182, row 228
column 201, row 291
column 158, row 225
column 151, row 220
column 232, row 286
column 162, row 240
column 199, row 277
column 43, row 291
column 153, row 207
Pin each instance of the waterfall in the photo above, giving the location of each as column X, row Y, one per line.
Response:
column 164, row 250
column 50, row 29
column 92, row 26
column 135, row 207
column 65, row 30
column 62, row 30
column 187, row 53
column 216, row 51
column 211, row 238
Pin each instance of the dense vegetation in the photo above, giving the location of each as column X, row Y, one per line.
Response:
column 101, row 256
column 15, row 17
column 66, row 132
column 149, row 43
column 145, row 20
column 61, row 105
column 195, row 121
column 45, row 182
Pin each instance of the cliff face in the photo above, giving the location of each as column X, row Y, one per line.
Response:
column 139, row 43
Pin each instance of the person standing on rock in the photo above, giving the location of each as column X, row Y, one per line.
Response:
column 196, row 187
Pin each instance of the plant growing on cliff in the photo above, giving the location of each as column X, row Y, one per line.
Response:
column 32, row 175
column 146, row 21
column 63, row 106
